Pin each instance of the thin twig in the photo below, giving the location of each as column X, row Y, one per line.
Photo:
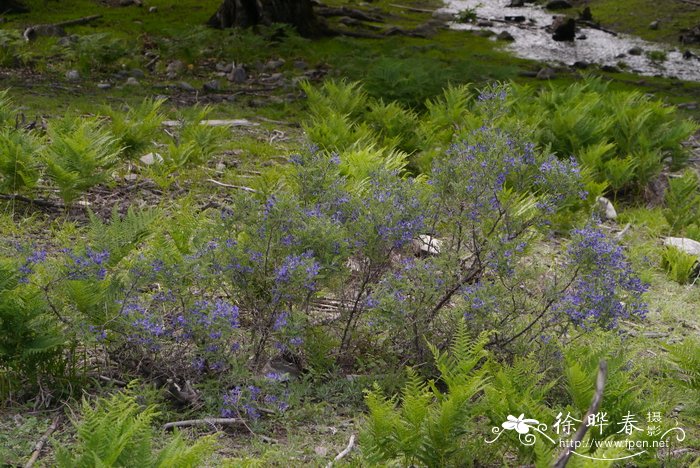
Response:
column 410, row 8
column 593, row 409
column 238, row 187
column 620, row 234
column 196, row 422
column 40, row 444
column 342, row 454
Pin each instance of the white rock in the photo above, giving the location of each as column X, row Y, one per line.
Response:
column 151, row 158
column 684, row 244
column 607, row 208
column 427, row 245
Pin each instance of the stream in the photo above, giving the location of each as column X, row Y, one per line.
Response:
column 532, row 41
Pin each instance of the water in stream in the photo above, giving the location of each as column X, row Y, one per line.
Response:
column 532, row 41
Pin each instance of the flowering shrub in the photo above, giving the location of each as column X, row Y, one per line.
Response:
column 247, row 282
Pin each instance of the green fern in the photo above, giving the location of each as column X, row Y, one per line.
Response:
column 122, row 234
column 137, row 127
column 79, row 155
column 682, row 202
column 117, row 432
column 680, row 266
column 685, row 358
column 429, row 425
column 18, row 160
column 7, row 107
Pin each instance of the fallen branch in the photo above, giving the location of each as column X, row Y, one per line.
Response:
column 593, row 409
column 344, row 452
column 31, row 201
column 237, row 187
column 78, row 21
column 690, row 2
column 40, row 444
column 349, row 12
column 593, row 25
column 620, row 234
column 410, row 8
column 198, row 422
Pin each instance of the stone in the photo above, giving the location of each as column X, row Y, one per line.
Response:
column 73, row 75
column 505, row 36
column 606, row 208
column 174, row 68
column 67, row 41
column 153, row 9
column 654, row 25
column 273, row 65
column 581, row 65
column 151, row 158
column 137, row 73
column 484, row 23
column 586, row 14
column 516, row 3
column 610, row 69
column 185, row 86
column 515, row 19
column 131, row 177
column 300, row 65
column 582, row 37
column 282, row 368
column 636, row 50
column 212, row 86
column 690, row 36
column 687, row 55
column 225, row 67
column 426, row 245
column 558, row 5
column 238, row 75
column 546, row 73
column 689, row 246
column 104, row 85
column 131, row 81
column 564, row 29
column 443, row 15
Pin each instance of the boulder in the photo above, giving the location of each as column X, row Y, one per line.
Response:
column 505, row 36
column 636, row 50
column 586, row 14
column 237, row 75
column 425, row 245
column 683, row 244
column 606, row 208
column 564, row 29
column 558, row 5
column 150, row 158
column 73, row 75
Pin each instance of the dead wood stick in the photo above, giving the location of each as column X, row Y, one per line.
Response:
column 78, row 21
column 40, row 444
column 690, row 2
column 197, row 422
column 593, row 409
column 621, row 234
column 593, row 25
column 238, row 187
column 410, row 8
column 342, row 454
